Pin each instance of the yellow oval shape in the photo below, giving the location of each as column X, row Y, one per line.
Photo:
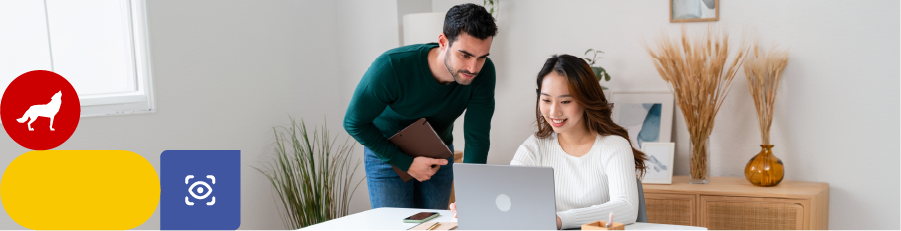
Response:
column 80, row 189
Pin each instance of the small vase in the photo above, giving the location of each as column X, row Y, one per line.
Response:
column 765, row 169
column 700, row 169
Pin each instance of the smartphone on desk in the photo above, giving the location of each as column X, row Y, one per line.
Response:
column 420, row 217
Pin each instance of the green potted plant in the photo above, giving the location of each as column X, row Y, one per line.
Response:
column 493, row 6
column 599, row 72
column 312, row 177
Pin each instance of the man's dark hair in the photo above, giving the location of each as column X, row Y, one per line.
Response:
column 470, row 18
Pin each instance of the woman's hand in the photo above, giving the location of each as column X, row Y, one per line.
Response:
column 559, row 223
column 453, row 209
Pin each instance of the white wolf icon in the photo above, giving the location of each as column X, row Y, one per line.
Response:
column 44, row 110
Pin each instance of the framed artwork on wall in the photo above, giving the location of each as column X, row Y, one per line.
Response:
column 694, row 10
column 659, row 163
column 647, row 116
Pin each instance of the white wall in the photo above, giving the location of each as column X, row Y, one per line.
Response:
column 837, row 115
column 405, row 7
column 225, row 73
column 366, row 30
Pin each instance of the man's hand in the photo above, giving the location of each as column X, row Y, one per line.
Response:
column 422, row 169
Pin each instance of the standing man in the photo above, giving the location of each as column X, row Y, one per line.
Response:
column 433, row 81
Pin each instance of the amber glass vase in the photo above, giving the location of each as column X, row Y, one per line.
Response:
column 765, row 169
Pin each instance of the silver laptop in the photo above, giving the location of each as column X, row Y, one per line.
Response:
column 504, row 197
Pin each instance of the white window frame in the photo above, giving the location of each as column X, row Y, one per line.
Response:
column 141, row 100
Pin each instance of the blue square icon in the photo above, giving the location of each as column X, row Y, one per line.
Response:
column 200, row 190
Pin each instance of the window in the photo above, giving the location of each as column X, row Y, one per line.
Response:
column 100, row 46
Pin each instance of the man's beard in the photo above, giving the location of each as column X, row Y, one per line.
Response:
column 457, row 73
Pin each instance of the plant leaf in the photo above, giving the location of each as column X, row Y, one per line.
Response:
column 597, row 72
column 606, row 76
column 588, row 51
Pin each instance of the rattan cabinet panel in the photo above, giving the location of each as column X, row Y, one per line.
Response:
column 674, row 209
column 733, row 203
column 719, row 212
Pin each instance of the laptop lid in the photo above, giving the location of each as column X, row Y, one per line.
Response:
column 493, row 197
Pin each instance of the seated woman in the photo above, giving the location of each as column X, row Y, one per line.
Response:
column 594, row 163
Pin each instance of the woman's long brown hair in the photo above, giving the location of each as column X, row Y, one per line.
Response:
column 586, row 91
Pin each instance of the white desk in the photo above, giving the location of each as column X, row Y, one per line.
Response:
column 392, row 219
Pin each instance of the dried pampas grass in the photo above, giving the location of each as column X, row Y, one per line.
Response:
column 763, row 72
column 695, row 69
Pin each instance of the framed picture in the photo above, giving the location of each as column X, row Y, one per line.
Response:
column 647, row 116
column 694, row 10
column 659, row 163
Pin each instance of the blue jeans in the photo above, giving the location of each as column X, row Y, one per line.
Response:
column 386, row 189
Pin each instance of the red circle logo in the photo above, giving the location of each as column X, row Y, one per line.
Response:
column 40, row 110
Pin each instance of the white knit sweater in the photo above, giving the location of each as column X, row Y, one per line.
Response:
column 589, row 187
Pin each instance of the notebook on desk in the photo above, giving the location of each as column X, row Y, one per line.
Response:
column 419, row 139
column 435, row 226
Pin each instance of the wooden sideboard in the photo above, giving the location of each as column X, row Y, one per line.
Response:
column 733, row 203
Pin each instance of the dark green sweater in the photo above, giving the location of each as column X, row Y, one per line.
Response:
column 398, row 89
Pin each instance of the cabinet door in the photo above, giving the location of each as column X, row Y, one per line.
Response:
column 757, row 213
column 674, row 209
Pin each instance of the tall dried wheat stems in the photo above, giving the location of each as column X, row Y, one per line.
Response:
column 694, row 69
column 763, row 73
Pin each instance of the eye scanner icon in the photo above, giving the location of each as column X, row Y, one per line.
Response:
column 200, row 190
